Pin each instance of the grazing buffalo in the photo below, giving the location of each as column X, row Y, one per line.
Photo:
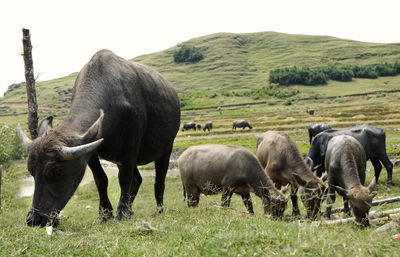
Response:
column 372, row 139
column 241, row 124
column 189, row 125
column 314, row 129
column 210, row 169
column 283, row 163
column 345, row 163
column 208, row 126
column 121, row 111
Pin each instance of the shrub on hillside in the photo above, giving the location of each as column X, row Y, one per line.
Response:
column 385, row 69
column 10, row 147
column 320, row 75
column 187, row 54
column 367, row 71
column 293, row 75
column 339, row 73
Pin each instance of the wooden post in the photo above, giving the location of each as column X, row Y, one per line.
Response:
column 30, row 85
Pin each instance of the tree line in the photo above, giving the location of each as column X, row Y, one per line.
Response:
column 320, row 75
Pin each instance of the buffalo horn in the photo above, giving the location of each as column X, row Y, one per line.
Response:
column 285, row 189
column 372, row 184
column 69, row 153
column 25, row 141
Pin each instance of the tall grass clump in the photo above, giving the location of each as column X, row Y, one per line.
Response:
column 10, row 147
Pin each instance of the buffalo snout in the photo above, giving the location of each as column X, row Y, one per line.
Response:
column 36, row 219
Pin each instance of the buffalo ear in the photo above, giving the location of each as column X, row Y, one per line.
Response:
column 309, row 162
column 94, row 132
column 299, row 180
column 45, row 125
column 25, row 141
column 373, row 194
column 342, row 191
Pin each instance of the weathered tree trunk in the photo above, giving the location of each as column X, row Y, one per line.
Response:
column 30, row 85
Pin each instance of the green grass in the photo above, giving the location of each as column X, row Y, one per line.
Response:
column 181, row 231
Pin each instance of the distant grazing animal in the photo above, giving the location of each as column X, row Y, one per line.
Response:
column 121, row 111
column 345, row 163
column 189, row 125
column 208, row 126
column 241, row 124
column 198, row 126
column 372, row 139
column 283, row 163
column 314, row 129
column 311, row 112
column 210, row 169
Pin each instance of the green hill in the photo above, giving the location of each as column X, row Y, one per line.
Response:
column 235, row 63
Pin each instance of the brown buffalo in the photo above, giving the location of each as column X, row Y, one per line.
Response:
column 345, row 163
column 283, row 163
column 210, row 169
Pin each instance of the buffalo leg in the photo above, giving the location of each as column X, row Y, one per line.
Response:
column 247, row 202
column 193, row 195
column 389, row 168
column 346, row 207
column 134, row 188
column 293, row 197
column 125, row 178
column 101, row 180
column 377, row 167
column 159, row 185
column 226, row 197
column 329, row 202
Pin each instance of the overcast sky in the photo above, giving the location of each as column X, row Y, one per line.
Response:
column 65, row 34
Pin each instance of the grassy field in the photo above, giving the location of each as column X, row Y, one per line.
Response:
column 210, row 230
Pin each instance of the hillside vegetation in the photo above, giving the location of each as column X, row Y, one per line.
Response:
column 232, row 65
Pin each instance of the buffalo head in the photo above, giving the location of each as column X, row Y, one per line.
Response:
column 314, row 193
column 360, row 198
column 57, row 160
column 278, row 202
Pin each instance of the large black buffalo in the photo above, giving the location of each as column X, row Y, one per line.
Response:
column 372, row 139
column 314, row 129
column 121, row 111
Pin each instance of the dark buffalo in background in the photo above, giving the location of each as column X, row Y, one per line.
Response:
column 345, row 164
column 208, row 126
column 314, row 129
column 189, row 125
column 198, row 126
column 372, row 139
column 241, row 124
column 121, row 111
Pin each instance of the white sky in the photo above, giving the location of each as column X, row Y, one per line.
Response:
column 65, row 34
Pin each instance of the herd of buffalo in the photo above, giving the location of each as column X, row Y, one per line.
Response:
column 128, row 114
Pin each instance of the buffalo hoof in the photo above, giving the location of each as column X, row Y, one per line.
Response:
column 160, row 209
column 124, row 215
column 390, row 183
column 104, row 215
